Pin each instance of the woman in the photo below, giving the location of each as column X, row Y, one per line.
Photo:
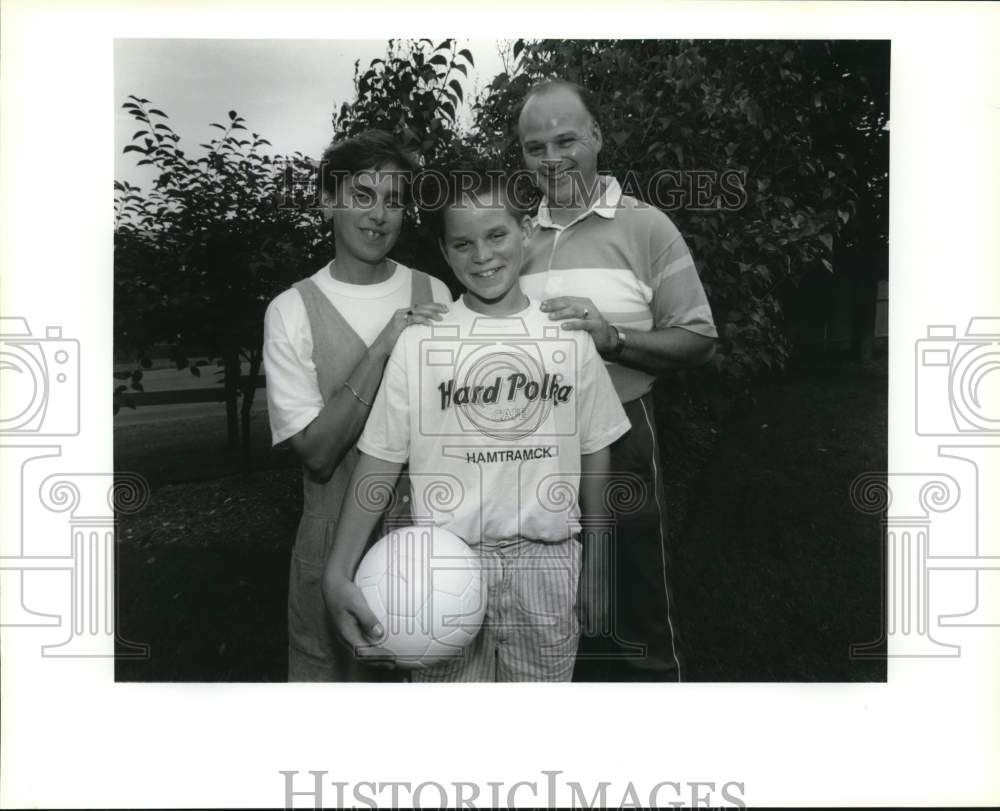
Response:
column 326, row 341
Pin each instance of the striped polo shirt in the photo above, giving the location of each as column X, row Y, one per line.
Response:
column 631, row 261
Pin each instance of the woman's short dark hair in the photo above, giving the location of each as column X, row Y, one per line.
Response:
column 371, row 149
column 440, row 191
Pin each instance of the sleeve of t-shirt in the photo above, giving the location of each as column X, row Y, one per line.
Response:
column 602, row 419
column 293, row 396
column 387, row 432
column 679, row 298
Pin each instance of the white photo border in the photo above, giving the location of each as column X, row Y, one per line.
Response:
column 73, row 737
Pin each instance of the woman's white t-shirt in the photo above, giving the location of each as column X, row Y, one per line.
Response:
column 293, row 395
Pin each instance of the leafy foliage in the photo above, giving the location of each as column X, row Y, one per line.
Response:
column 417, row 93
column 198, row 258
column 787, row 119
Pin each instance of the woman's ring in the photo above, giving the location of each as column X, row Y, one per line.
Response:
column 409, row 315
column 586, row 312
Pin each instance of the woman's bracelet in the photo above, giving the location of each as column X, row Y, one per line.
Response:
column 357, row 396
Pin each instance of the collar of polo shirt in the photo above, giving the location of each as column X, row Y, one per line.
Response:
column 604, row 205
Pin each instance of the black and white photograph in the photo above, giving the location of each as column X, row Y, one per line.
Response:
column 508, row 407
column 665, row 264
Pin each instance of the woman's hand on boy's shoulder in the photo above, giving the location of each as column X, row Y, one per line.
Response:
column 404, row 317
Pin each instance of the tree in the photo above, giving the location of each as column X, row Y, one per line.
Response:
column 199, row 257
column 864, row 247
column 781, row 117
column 415, row 92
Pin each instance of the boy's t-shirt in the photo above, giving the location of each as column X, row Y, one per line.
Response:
column 493, row 414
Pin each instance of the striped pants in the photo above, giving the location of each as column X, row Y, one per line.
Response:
column 531, row 629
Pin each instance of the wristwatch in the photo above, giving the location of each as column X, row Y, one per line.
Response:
column 619, row 347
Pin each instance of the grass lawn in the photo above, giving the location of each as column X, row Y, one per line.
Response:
column 776, row 574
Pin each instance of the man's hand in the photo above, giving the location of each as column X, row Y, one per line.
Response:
column 577, row 312
column 656, row 351
column 354, row 621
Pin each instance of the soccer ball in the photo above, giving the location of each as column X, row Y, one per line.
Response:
column 425, row 585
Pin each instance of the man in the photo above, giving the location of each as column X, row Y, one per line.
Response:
column 606, row 263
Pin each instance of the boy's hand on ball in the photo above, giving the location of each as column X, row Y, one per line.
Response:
column 354, row 621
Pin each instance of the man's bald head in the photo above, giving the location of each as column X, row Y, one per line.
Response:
column 550, row 86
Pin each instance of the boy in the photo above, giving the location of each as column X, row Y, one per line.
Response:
column 503, row 418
